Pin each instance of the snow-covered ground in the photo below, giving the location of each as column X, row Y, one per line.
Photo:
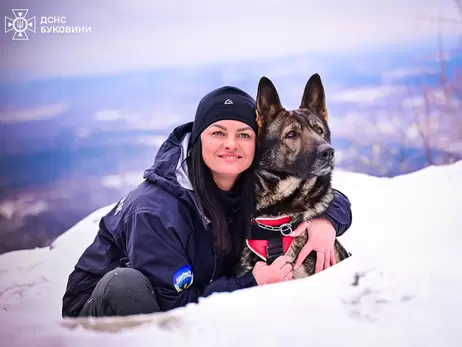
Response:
column 402, row 286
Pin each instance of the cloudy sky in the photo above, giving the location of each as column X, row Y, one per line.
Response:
column 128, row 35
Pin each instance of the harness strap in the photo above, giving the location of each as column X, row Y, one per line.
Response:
column 274, row 250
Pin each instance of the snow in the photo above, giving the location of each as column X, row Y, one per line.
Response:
column 400, row 288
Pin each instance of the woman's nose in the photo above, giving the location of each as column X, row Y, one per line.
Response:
column 230, row 142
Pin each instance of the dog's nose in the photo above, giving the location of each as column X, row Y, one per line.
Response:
column 325, row 152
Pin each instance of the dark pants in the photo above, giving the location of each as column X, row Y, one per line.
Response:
column 121, row 292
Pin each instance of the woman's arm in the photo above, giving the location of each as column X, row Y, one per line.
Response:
column 339, row 213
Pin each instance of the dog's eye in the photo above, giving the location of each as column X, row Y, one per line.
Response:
column 319, row 131
column 291, row 134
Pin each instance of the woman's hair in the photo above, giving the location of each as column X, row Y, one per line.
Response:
column 208, row 194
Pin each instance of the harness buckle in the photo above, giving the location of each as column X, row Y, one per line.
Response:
column 286, row 229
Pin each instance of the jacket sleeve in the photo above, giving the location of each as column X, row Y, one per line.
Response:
column 154, row 248
column 339, row 213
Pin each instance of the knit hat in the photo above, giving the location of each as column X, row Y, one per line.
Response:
column 224, row 103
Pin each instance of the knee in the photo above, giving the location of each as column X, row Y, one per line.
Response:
column 128, row 291
column 128, row 283
column 126, row 278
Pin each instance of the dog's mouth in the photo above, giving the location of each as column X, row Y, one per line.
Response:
column 323, row 169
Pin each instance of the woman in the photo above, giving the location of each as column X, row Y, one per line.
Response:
column 176, row 237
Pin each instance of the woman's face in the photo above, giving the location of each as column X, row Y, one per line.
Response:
column 228, row 149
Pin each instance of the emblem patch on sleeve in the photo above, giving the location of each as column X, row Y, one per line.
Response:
column 183, row 278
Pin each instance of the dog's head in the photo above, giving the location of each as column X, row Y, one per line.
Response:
column 296, row 142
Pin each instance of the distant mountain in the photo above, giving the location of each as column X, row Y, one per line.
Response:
column 100, row 155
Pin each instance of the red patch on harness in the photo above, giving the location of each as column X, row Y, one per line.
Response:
column 259, row 246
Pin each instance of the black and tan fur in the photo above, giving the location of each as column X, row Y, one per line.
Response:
column 292, row 177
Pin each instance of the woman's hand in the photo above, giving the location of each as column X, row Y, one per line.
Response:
column 321, row 239
column 279, row 270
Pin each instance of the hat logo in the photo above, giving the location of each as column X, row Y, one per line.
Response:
column 228, row 102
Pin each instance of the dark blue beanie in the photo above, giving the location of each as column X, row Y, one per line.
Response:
column 224, row 103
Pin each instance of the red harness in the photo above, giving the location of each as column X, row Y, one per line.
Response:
column 259, row 246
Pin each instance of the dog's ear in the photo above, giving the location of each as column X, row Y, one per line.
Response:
column 314, row 97
column 268, row 103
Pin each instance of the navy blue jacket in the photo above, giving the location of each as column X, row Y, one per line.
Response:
column 159, row 230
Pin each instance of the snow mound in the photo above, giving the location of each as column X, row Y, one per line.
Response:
column 401, row 287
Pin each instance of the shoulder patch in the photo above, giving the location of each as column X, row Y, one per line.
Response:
column 183, row 278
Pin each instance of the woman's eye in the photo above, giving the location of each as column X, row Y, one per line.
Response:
column 219, row 133
column 244, row 135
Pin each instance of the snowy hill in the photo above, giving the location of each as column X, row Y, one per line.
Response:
column 400, row 288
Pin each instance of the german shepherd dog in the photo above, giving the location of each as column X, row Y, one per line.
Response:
column 293, row 176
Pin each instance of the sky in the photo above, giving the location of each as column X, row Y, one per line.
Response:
column 138, row 35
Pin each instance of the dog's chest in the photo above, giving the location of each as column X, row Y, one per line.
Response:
column 271, row 192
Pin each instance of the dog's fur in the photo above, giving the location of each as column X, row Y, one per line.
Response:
column 291, row 177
